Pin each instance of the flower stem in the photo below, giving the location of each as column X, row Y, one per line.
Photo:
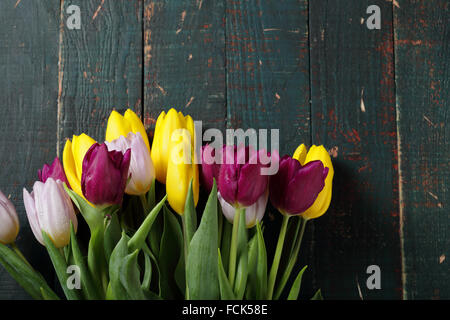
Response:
column 292, row 259
column 144, row 204
column 277, row 257
column 233, row 247
column 19, row 253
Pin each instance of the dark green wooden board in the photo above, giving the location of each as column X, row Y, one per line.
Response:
column 422, row 74
column 300, row 66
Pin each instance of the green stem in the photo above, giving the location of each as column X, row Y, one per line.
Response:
column 145, row 205
column 19, row 253
column 292, row 259
column 186, row 252
column 277, row 257
column 233, row 248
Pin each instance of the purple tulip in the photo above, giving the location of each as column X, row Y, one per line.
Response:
column 209, row 169
column 240, row 180
column 55, row 171
column 104, row 175
column 295, row 187
column 50, row 209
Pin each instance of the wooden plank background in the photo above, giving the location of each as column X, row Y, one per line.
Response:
column 377, row 99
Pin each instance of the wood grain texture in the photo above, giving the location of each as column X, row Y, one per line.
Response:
column 28, row 68
column 100, row 66
column 422, row 52
column 353, row 115
column 268, row 68
column 184, row 58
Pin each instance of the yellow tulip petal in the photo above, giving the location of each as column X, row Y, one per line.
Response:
column 80, row 145
column 69, row 168
column 116, row 127
column 156, row 148
column 323, row 200
column 136, row 125
column 300, row 154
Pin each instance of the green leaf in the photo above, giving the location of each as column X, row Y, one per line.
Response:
column 169, row 254
column 90, row 289
column 138, row 239
column 112, row 235
column 317, row 295
column 226, row 292
column 115, row 288
column 295, row 289
column 151, row 195
column 242, row 258
column 190, row 216
column 261, row 267
column 90, row 214
column 96, row 258
column 225, row 244
column 130, row 276
column 157, row 275
column 60, row 265
column 251, row 292
column 146, row 281
column 201, row 266
column 26, row 277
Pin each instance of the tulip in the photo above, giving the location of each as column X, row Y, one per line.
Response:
column 104, row 175
column 295, row 187
column 209, row 169
column 181, row 169
column 55, row 171
column 119, row 125
column 253, row 213
column 141, row 172
column 49, row 208
column 320, row 206
column 73, row 155
column 166, row 125
column 240, row 180
column 9, row 222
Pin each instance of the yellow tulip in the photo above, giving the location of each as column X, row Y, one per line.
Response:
column 320, row 206
column 166, row 125
column 181, row 169
column 119, row 125
column 73, row 155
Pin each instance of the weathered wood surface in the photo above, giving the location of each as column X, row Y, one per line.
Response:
column 422, row 74
column 378, row 99
column 353, row 113
column 28, row 82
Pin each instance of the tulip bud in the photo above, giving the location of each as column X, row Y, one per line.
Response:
column 141, row 172
column 105, row 175
column 119, row 125
column 181, row 169
column 9, row 222
column 166, row 125
column 295, row 187
column 49, row 208
column 253, row 213
column 73, row 155
column 240, row 180
column 55, row 171
column 209, row 169
column 320, row 206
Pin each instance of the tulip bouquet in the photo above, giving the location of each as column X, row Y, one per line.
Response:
column 147, row 238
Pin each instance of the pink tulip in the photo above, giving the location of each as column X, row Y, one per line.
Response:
column 9, row 222
column 49, row 208
column 55, row 171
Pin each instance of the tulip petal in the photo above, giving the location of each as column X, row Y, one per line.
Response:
column 136, row 126
column 69, row 168
column 300, row 154
column 80, row 145
column 117, row 126
column 33, row 220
